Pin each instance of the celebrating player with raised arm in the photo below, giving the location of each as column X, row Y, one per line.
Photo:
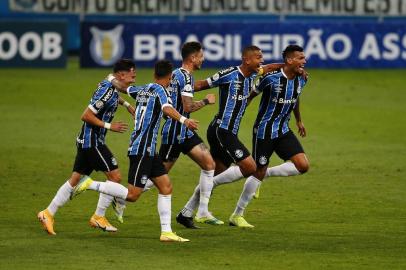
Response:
column 152, row 101
column 235, row 85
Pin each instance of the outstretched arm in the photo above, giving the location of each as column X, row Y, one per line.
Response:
column 201, row 85
column 269, row 67
column 89, row 117
column 299, row 124
column 175, row 115
column 189, row 105
column 124, row 103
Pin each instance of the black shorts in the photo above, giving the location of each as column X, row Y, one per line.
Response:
column 285, row 147
column 97, row 158
column 171, row 152
column 225, row 146
column 143, row 168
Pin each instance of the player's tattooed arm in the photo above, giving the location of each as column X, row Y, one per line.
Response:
column 189, row 105
column 299, row 123
column 201, row 85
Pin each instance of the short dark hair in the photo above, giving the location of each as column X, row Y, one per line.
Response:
column 251, row 48
column 290, row 49
column 163, row 68
column 123, row 65
column 189, row 48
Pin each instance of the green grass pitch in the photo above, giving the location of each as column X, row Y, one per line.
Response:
column 347, row 212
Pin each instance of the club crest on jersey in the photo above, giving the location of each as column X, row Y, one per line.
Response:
column 106, row 46
column 278, row 88
column 114, row 161
column 238, row 153
column 263, row 160
column 99, row 104
column 299, row 89
column 144, row 179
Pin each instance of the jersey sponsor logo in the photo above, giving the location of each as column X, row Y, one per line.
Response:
column 225, row 71
column 108, row 95
column 240, row 97
column 263, row 160
column 284, row 101
column 106, row 46
column 238, row 153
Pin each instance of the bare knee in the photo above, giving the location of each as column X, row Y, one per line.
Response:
column 302, row 166
column 260, row 173
column 114, row 176
column 247, row 167
column 133, row 194
column 165, row 189
column 209, row 164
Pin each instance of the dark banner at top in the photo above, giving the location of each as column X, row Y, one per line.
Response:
column 209, row 7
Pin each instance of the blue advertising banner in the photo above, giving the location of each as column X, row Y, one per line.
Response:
column 326, row 45
column 28, row 44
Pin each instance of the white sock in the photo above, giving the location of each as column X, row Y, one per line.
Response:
column 104, row 203
column 148, row 185
column 192, row 203
column 164, row 210
column 230, row 175
column 285, row 169
column 110, row 188
column 206, row 185
column 250, row 186
column 61, row 197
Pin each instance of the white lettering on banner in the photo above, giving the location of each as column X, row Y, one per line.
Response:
column 169, row 44
column 404, row 46
column 23, row 45
column 391, row 48
column 369, row 48
column 145, row 47
column 52, row 48
column 12, row 41
column 195, row 7
column 31, row 45
column 314, row 45
column 347, row 46
column 389, row 43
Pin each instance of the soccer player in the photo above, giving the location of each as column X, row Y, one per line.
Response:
column 176, row 138
column 271, row 133
column 152, row 100
column 235, row 85
column 92, row 152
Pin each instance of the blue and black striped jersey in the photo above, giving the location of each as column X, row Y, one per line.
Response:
column 150, row 99
column 182, row 83
column 234, row 90
column 103, row 104
column 279, row 98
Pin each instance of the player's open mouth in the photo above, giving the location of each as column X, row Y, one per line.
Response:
column 301, row 67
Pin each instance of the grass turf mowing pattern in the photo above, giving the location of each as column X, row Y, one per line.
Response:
column 347, row 212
